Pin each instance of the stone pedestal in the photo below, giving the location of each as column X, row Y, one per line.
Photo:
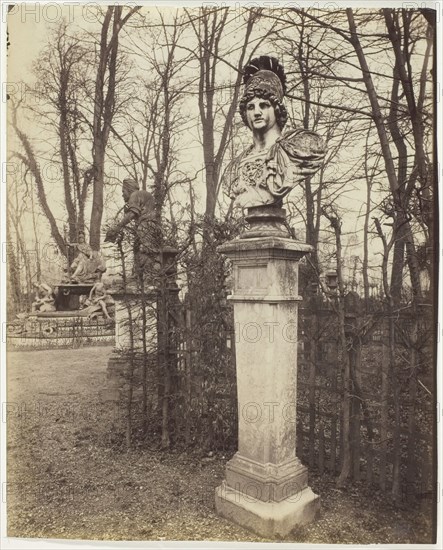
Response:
column 129, row 318
column 266, row 487
column 129, row 323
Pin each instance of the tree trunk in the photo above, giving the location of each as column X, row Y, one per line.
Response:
column 38, row 265
column 396, row 479
column 384, row 402
column 346, row 466
column 209, row 34
column 30, row 161
column 104, row 110
column 97, row 198
column 411, row 472
column 63, row 132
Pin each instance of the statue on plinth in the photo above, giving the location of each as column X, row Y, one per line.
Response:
column 276, row 161
column 266, row 486
column 140, row 209
column 88, row 266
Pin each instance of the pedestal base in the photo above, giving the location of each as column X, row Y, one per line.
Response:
column 267, row 519
column 266, row 482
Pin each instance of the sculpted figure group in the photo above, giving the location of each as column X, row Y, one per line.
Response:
column 88, row 266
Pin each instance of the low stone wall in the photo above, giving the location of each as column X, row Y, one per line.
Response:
column 58, row 332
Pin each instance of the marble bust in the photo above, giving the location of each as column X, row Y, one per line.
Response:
column 277, row 160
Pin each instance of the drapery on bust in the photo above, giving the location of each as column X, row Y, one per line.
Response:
column 276, row 161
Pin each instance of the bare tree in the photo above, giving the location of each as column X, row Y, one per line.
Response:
column 210, row 28
column 148, row 126
column 62, row 70
column 370, row 174
column 29, row 158
column 332, row 216
column 104, row 108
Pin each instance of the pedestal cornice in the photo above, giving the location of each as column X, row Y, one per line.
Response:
column 265, row 247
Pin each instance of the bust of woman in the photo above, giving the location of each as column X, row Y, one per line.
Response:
column 276, row 161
